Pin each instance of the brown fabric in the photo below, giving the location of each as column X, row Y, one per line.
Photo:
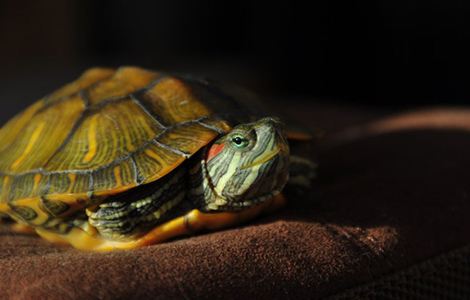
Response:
column 389, row 195
column 444, row 277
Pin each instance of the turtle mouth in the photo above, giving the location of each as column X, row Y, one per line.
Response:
column 264, row 158
column 254, row 201
column 240, row 205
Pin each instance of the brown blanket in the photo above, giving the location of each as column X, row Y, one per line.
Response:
column 389, row 195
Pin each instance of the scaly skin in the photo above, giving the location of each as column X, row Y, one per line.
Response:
column 192, row 222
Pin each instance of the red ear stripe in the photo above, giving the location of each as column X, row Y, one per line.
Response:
column 214, row 150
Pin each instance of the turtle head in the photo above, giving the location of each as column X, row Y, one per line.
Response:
column 247, row 165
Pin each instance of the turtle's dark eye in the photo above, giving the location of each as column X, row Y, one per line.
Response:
column 239, row 142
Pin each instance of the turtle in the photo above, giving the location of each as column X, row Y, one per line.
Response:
column 128, row 157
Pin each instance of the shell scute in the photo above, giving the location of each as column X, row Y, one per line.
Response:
column 105, row 136
column 155, row 161
column 86, row 80
column 40, row 138
column 102, row 134
column 173, row 102
column 125, row 80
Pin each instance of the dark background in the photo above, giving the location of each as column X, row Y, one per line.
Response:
column 379, row 53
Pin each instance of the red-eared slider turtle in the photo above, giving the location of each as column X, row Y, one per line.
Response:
column 124, row 158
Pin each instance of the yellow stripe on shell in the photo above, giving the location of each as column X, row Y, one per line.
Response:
column 91, row 140
column 29, row 147
column 6, row 181
column 117, row 175
column 72, row 177
column 37, row 181
column 9, row 132
column 153, row 155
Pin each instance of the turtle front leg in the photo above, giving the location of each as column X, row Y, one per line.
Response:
column 190, row 223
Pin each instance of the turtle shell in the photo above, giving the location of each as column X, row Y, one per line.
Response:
column 105, row 133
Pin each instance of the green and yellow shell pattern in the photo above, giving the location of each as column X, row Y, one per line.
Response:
column 124, row 158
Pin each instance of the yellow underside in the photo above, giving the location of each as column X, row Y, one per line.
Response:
column 192, row 222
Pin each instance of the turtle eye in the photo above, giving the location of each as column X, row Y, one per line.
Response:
column 239, row 141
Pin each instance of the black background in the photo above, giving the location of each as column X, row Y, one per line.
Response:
column 378, row 53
